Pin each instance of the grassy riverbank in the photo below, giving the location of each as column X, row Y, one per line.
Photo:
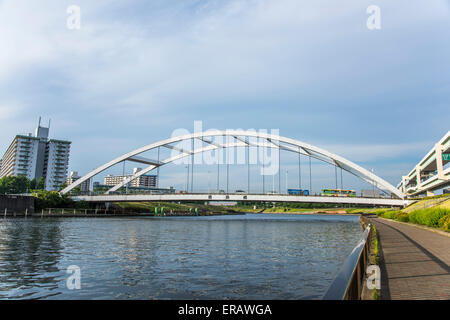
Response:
column 300, row 208
column 146, row 207
column 239, row 208
column 433, row 212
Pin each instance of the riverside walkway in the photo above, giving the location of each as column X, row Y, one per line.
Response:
column 415, row 263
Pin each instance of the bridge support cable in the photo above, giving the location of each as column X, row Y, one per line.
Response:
column 299, row 170
column 279, row 170
column 286, row 181
column 157, row 172
column 187, row 178
column 310, row 176
column 192, row 165
column 335, row 175
column 342, row 184
column 263, row 166
column 227, row 162
column 123, row 172
column 288, row 144
column 218, row 173
column 248, row 165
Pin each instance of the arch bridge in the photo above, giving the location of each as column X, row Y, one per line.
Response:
column 234, row 139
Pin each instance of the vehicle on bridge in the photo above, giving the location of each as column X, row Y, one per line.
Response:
column 298, row 192
column 338, row 193
column 295, row 192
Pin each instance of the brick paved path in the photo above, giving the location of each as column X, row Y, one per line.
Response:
column 415, row 262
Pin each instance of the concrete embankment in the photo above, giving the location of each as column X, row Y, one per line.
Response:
column 11, row 205
column 68, row 213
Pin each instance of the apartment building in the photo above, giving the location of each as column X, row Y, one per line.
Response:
column 35, row 156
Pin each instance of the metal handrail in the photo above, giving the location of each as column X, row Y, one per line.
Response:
column 347, row 284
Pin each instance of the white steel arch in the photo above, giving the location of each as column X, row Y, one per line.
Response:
column 269, row 140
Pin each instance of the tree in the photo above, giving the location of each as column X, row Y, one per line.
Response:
column 33, row 184
column 14, row 185
column 51, row 199
column 41, row 184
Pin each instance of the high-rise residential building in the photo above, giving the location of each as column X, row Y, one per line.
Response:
column 143, row 181
column 37, row 156
column 84, row 187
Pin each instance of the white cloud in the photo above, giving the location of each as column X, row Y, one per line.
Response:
column 147, row 65
column 10, row 110
column 374, row 152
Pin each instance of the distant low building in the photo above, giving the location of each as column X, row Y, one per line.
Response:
column 101, row 188
column 370, row 193
column 445, row 191
column 143, row 181
column 222, row 203
column 84, row 186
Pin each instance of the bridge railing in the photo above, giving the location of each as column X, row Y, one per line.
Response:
column 101, row 193
column 348, row 283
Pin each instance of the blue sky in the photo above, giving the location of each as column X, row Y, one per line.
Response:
column 137, row 70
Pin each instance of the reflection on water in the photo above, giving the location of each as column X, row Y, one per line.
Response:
column 254, row 256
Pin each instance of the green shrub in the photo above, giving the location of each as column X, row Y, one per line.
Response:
column 402, row 216
column 429, row 217
column 379, row 212
column 375, row 244
column 390, row 214
column 444, row 223
column 376, row 295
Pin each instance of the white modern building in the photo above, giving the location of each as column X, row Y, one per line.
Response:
column 143, row 181
column 35, row 156
column 431, row 173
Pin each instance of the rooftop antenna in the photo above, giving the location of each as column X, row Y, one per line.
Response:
column 39, row 124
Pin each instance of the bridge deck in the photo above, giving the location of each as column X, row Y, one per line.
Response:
column 244, row 197
column 415, row 264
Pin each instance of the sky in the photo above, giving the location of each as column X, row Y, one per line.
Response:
column 137, row 70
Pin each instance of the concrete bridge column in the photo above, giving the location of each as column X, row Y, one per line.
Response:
column 418, row 173
column 404, row 184
column 439, row 162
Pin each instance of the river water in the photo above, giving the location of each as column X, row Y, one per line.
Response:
column 252, row 256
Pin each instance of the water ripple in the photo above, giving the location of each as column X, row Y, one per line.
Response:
column 264, row 256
